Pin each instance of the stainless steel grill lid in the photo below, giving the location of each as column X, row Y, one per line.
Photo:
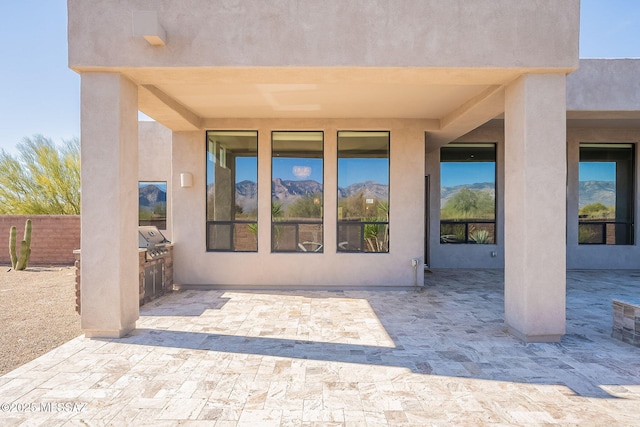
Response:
column 149, row 236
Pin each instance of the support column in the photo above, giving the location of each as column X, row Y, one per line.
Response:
column 109, row 237
column 535, row 207
column 188, row 205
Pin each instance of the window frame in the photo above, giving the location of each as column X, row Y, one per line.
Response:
column 467, row 224
column 340, row 248
column 631, row 195
column 231, row 223
column 164, row 220
column 275, row 224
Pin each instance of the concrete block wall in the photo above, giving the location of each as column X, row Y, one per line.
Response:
column 53, row 238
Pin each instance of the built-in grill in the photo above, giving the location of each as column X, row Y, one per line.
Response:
column 151, row 239
column 155, row 261
column 156, row 266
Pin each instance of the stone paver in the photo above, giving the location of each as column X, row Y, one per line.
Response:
column 437, row 356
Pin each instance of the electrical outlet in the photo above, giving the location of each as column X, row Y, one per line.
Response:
column 414, row 262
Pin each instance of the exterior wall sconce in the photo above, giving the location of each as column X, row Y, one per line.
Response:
column 145, row 24
column 186, row 180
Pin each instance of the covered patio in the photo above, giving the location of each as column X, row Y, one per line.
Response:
column 421, row 73
column 436, row 355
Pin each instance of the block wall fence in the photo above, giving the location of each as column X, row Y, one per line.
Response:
column 53, row 238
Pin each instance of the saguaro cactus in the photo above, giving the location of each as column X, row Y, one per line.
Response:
column 21, row 262
column 12, row 246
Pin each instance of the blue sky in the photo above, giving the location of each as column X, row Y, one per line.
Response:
column 40, row 95
column 458, row 173
column 597, row 171
column 352, row 170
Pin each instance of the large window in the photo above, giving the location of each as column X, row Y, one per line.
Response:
column 232, row 191
column 297, row 192
column 606, row 194
column 152, row 203
column 468, row 193
column 363, row 192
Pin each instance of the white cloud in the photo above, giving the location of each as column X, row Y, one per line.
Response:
column 301, row 171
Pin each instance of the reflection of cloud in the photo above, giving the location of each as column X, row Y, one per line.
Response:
column 301, row 171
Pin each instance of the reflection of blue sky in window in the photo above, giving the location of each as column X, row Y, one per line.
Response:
column 353, row 170
column 350, row 170
column 162, row 185
column 463, row 173
column 597, row 171
column 297, row 169
column 246, row 169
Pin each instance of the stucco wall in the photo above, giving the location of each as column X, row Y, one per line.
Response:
column 426, row 33
column 605, row 85
column 194, row 266
column 598, row 256
column 154, row 160
column 578, row 256
column 53, row 238
column 154, row 151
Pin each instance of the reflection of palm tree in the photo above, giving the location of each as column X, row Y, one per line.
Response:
column 371, row 236
column 253, row 229
column 479, row 236
column 375, row 241
column 276, row 212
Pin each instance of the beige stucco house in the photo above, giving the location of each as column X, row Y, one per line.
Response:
column 306, row 144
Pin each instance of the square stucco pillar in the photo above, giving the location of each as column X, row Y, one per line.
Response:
column 109, row 236
column 535, row 207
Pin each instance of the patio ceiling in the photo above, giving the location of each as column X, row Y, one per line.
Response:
column 316, row 100
column 450, row 101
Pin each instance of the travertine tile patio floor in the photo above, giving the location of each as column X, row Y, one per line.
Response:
column 438, row 356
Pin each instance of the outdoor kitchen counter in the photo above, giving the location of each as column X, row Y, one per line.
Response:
column 155, row 274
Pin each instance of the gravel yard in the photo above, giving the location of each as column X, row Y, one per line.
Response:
column 37, row 313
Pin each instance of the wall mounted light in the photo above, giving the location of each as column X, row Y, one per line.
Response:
column 145, row 24
column 186, row 180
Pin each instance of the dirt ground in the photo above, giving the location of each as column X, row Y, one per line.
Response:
column 37, row 313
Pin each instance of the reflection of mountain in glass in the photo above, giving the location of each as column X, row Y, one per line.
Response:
column 369, row 189
column 597, row 201
column 246, row 196
column 151, row 196
column 289, row 191
column 447, row 192
column 591, row 192
column 152, row 204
